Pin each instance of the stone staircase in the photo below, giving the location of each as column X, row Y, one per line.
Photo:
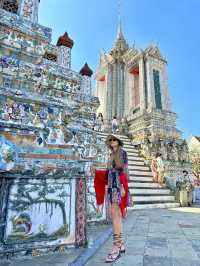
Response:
column 145, row 192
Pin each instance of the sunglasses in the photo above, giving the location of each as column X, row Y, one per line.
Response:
column 112, row 140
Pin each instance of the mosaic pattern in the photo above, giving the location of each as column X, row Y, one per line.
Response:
column 46, row 112
column 33, row 210
column 80, row 212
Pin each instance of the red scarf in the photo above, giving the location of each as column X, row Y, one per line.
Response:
column 100, row 182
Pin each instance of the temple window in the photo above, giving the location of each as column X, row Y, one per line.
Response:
column 9, row 5
column 156, row 78
column 50, row 57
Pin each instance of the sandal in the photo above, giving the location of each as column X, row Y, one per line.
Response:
column 121, row 248
column 113, row 256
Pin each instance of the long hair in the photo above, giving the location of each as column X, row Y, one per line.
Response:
column 116, row 156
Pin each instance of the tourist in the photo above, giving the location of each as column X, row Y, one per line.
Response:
column 100, row 122
column 117, row 192
column 154, row 168
column 160, row 169
column 188, row 183
column 114, row 124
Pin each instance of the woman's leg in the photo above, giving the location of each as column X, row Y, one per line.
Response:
column 161, row 178
column 117, row 230
column 116, row 218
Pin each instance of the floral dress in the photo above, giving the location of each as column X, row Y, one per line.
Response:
column 114, row 178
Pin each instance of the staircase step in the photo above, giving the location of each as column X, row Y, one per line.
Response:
column 131, row 150
column 136, row 163
column 138, row 167
column 140, row 179
column 135, row 158
column 143, row 185
column 145, row 199
column 155, row 205
column 129, row 146
column 139, row 191
column 140, row 173
column 133, row 153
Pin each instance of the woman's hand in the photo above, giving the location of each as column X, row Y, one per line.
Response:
column 92, row 170
column 122, row 191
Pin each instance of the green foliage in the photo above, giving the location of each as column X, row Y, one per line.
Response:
column 195, row 159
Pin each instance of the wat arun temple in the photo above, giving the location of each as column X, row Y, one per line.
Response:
column 47, row 137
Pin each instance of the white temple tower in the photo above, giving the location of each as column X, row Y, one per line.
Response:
column 133, row 83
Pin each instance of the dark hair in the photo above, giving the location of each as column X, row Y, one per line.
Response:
column 114, row 117
column 100, row 114
column 185, row 172
column 158, row 154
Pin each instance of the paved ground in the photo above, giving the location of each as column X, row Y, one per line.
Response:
column 153, row 238
column 158, row 237
column 59, row 258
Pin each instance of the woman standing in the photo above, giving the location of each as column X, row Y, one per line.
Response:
column 100, row 122
column 117, row 193
column 160, row 169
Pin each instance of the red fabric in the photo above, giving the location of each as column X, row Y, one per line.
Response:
column 100, row 182
column 124, row 202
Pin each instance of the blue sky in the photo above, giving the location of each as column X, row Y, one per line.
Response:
column 172, row 24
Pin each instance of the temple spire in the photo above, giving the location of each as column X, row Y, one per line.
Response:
column 119, row 30
column 120, row 43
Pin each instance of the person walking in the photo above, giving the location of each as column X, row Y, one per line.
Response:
column 114, row 124
column 154, row 168
column 116, row 182
column 160, row 169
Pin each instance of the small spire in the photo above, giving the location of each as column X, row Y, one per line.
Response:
column 65, row 40
column 86, row 71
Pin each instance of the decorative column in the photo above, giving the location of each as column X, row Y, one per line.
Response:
column 114, row 91
column 109, row 106
column 86, row 73
column 81, row 223
column 65, row 45
column 28, row 9
column 150, row 85
column 142, row 84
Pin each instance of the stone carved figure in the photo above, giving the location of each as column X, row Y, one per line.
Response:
column 163, row 150
column 174, row 151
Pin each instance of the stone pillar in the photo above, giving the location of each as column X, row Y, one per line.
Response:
column 150, row 85
column 28, row 9
column 142, row 84
column 86, row 74
column 164, row 88
column 109, row 92
column 114, row 90
column 65, row 45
